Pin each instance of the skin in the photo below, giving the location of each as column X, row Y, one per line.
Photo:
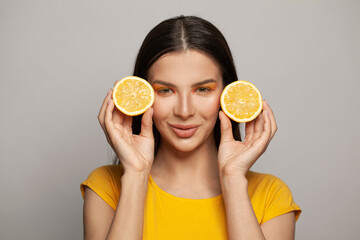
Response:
column 187, row 92
column 187, row 87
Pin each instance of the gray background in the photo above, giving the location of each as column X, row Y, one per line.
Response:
column 59, row 58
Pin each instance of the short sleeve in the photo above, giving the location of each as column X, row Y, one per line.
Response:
column 104, row 183
column 280, row 201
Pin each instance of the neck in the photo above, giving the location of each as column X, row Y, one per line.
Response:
column 199, row 165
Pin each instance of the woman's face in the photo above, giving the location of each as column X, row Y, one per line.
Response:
column 187, row 89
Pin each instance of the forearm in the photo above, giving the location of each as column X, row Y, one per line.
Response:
column 241, row 220
column 129, row 216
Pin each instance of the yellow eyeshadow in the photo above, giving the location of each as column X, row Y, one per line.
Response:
column 157, row 86
column 208, row 85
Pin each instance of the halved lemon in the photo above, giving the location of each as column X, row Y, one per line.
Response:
column 241, row 101
column 133, row 95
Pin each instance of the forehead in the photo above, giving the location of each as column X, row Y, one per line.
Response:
column 185, row 67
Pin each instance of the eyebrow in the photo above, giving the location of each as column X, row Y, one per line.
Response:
column 194, row 85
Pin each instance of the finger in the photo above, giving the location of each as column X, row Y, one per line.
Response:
column 258, row 127
column 259, row 123
column 128, row 123
column 272, row 118
column 265, row 137
column 267, row 123
column 249, row 130
column 225, row 128
column 109, row 126
column 261, row 141
column 118, row 117
column 101, row 115
column 147, row 123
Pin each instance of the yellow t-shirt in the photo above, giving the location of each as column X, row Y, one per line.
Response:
column 169, row 217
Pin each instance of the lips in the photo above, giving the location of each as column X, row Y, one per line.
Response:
column 184, row 131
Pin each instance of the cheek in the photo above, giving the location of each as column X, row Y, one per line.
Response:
column 209, row 107
column 161, row 110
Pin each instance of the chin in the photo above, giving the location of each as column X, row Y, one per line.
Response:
column 186, row 145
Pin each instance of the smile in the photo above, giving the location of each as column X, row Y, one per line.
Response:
column 184, row 131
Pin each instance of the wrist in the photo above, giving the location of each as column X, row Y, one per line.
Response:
column 229, row 182
column 135, row 177
column 233, row 174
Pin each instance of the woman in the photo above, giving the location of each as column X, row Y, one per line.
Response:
column 184, row 172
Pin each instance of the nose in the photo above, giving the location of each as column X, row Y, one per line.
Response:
column 184, row 107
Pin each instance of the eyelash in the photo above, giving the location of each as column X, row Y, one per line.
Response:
column 203, row 89
column 164, row 91
column 167, row 91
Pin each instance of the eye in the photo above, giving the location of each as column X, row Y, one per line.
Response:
column 203, row 89
column 164, row 91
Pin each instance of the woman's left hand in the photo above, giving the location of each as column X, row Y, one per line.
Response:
column 235, row 157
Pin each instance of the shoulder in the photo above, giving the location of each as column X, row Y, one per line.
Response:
column 265, row 185
column 264, row 180
column 107, row 172
column 270, row 196
column 256, row 177
column 105, row 181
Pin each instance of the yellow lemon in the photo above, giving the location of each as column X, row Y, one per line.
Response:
column 133, row 95
column 241, row 101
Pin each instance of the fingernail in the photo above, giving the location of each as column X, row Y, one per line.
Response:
column 109, row 92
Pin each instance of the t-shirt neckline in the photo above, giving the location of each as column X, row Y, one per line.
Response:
column 152, row 182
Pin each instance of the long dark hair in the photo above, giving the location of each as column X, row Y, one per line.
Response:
column 180, row 34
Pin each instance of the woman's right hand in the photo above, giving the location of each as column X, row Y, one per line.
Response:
column 135, row 152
